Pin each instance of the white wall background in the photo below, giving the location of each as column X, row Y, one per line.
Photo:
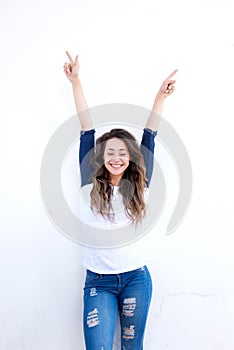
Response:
column 126, row 49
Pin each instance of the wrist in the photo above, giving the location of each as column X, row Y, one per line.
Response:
column 76, row 82
column 159, row 97
column 158, row 104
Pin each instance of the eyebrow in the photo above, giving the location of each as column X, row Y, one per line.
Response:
column 112, row 149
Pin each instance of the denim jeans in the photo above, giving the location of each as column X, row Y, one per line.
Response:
column 105, row 295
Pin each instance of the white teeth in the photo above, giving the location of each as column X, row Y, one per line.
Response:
column 116, row 165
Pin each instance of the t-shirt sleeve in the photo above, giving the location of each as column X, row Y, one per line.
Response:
column 86, row 151
column 147, row 149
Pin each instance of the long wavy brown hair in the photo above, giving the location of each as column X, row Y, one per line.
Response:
column 131, row 186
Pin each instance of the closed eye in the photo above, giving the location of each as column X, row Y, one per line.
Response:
column 121, row 155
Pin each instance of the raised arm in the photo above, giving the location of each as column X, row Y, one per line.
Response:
column 167, row 87
column 151, row 126
column 71, row 70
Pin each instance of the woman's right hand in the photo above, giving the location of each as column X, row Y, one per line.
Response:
column 71, row 69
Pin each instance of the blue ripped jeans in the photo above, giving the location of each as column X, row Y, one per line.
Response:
column 105, row 295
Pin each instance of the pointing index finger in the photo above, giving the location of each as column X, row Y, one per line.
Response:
column 172, row 74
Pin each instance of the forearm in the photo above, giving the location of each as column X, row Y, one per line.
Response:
column 156, row 113
column 81, row 106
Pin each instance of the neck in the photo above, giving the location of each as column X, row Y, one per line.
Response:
column 115, row 180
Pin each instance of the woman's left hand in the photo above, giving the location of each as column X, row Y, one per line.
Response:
column 168, row 86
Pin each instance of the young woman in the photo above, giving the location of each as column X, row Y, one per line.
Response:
column 117, row 280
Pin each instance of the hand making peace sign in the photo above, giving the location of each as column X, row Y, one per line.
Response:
column 71, row 69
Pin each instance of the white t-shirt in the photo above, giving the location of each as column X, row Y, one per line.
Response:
column 116, row 260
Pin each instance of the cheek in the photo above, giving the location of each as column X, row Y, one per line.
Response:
column 126, row 162
column 106, row 160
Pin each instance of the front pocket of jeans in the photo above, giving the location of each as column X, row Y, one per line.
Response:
column 93, row 276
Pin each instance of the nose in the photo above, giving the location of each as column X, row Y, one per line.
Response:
column 115, row 158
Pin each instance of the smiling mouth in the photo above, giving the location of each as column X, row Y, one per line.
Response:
column 116, row 166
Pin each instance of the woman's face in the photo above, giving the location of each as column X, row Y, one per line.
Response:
column 116, row 156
